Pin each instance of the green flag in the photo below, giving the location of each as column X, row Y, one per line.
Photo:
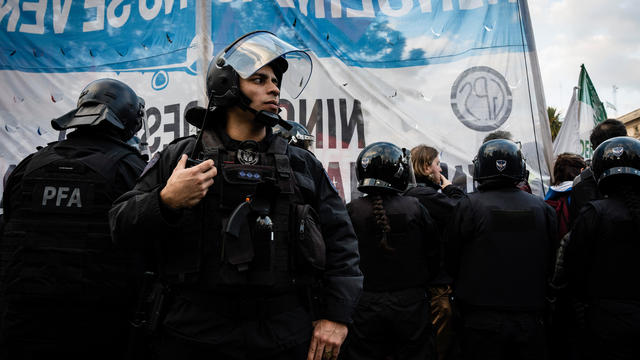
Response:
column 584, row 113
column 587, row 94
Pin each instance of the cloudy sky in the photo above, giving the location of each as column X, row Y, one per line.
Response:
column 604, row 35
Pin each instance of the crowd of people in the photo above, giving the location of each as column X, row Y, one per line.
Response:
column 234, row 244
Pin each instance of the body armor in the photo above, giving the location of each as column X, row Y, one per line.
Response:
column 257, row 222
column 58, row 237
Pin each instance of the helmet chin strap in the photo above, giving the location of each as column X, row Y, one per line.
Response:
column 265, row 118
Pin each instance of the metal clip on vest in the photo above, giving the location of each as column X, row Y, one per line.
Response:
column 260, row 206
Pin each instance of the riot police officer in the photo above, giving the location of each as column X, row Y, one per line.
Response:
column 298, row 135
column 601, row 259
column 400, row 254
column 66, row 290
column 585, row 186
column 499, row 250
column 221, row 224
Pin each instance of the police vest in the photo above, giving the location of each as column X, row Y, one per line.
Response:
column 58, row 235
column 246, row 221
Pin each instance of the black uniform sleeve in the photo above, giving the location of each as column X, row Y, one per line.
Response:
column 453, row 192
column 342, row 277
column 585, row 189
column 137, row 216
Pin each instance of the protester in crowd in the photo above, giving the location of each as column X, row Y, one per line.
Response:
column 435, row 193
column 499, row 251
column 399, row 249
column 66, row 291
column 221, row 223
column 601, row 259
column 584, row 185
column 566, row 167
column 562, row 329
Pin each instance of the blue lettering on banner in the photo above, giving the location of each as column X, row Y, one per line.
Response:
column 98, row 35
column 378, row 33
column 153, row 35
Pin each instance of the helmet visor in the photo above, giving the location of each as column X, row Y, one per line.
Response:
column 255, row 50
column 87, row 115
column 409, row 165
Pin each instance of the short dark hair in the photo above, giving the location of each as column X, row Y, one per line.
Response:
column 607, row 129
column 567, row 167
column 498, row 134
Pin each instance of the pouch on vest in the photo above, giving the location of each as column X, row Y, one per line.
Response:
column 309, row 241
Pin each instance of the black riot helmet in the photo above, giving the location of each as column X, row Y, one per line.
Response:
column 243, row 58
column 106, row 101
column 383, row 166
column 298, row 135
column 499, row 159
column 615, row 158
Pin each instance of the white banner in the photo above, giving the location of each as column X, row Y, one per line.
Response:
column 440, row 72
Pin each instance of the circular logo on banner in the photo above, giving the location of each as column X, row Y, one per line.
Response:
column 481, row 98
column 160, row 80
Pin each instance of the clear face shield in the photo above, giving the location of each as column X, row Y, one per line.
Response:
column 144, row 144
column 257, row 49
column 409, row 165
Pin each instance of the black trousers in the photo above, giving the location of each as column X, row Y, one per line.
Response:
column 234, row 328
column 391, row 325
column 498, row 335
column 613, row 330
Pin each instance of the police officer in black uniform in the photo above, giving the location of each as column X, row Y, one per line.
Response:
column 298, row 135
column 241, row 228
column 585, row 186
column 399, row 248
column 601, row 259
column 66, row 290
column 499, row 252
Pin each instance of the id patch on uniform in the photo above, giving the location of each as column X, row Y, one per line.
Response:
column 57, row 196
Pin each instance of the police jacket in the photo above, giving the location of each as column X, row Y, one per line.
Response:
column 584, row 189
column 184, row 238
column 56, row 244
column 499, row 249
column 412, row 259
column 440, row 204
column 601, row 259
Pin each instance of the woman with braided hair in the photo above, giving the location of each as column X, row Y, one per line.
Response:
column 399, row 256
column 601, row 259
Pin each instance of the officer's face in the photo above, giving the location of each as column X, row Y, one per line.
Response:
column 262, row 89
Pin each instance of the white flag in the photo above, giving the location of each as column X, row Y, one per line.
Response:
column 584, row 113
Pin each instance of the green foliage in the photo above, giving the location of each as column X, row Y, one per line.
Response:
column 554, row 121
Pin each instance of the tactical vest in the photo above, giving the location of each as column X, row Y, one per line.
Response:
column 247, row 220
column 58, row 237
